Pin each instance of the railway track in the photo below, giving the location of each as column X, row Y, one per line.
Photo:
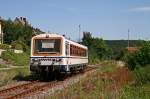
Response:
column 5, row 93
column 30, row 88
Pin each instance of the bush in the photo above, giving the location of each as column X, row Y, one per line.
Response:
column 121, row 55
column 11, row 75
column 97, row 48
column 4, row 46
column 15, row 58
column 139, row 58
column 142, row 75
column 135, row 92
column 2, row 66
column 131, row 61
column 19, row 45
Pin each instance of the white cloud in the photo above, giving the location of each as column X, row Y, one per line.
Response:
column 141, row 9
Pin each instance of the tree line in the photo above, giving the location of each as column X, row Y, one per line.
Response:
column 17, row 33
column 97, row 48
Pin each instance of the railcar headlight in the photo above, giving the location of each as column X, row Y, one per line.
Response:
column 59, row 60
column 32, row 61
column 35, row 61
column 53, row 59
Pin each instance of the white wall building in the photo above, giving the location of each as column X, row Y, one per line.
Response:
column 1, row 32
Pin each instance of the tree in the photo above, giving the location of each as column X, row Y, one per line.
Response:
column 17, row 31
column 87, row 39
column 101, row 48
column 140, row 58
column 98, row 50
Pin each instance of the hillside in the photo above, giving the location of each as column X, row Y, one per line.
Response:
column 118, row 45
column 18, row 30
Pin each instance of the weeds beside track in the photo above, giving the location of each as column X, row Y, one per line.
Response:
column 30, row 88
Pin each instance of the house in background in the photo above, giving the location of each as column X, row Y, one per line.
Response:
column 132, row 49
column 21, row 20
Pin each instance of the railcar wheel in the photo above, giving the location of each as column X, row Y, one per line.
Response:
column 82, row 70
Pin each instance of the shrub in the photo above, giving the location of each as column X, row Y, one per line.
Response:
column 93, row 57
column 131, row 62
column 4, row 46
column 19, row 45
column 142, row 75
column 121, row 55
column 2, row 66
column 15, row 58
column 11, row 75
column 139, row 58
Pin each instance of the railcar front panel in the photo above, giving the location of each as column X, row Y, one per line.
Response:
column 50, row 52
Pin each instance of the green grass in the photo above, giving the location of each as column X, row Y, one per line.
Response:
column 4, row 46
column 3, row 66
column 108, row 66
column 142, row 75
column 92, row 87
column 136, row 92
column 13, row 75
column 20, row 59
column 140, row 88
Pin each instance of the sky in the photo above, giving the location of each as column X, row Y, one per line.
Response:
column 107, row 19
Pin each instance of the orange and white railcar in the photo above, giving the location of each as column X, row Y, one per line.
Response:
column 53, row 52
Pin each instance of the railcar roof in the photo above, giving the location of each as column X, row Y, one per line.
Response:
column 50, row 35
column 75, row 43
column 57, row 35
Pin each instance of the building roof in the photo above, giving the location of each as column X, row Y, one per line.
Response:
column 132, row 49
column 21, row 20
column 1, row 19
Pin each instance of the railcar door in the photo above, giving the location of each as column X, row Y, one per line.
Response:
column 67, row 54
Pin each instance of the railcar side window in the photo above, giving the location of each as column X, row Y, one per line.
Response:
column 77, row 51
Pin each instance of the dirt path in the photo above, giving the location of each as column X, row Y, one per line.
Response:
column 12, row 67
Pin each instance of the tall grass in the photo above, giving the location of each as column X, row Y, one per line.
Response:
column 142, row 75
column 20, row 59
column 93, row 86
column 11, row 75
column 135, row 92
column 2, row 66
column 139, row 88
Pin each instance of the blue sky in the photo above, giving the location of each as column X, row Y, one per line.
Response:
column 108, row 19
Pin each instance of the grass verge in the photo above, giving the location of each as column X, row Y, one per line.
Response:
column 12, row 75
column 94, row 86
column 136, row 92
column 17, row 59
column 109, row 82
column 3, row 66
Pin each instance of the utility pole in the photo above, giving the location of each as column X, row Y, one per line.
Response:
column 1, row 33
column 79, row 32
column 128, row 38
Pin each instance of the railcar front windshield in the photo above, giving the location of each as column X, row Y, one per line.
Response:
column 51, row 46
